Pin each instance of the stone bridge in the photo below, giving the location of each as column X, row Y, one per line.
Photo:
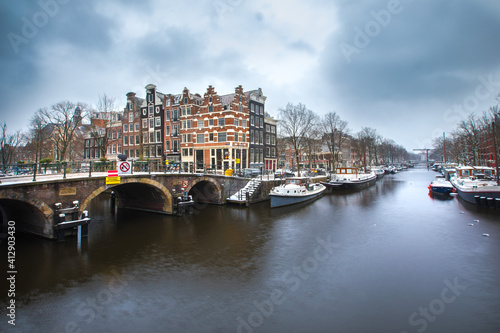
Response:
column 32, row 205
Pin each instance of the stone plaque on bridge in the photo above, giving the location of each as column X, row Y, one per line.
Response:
column 67, row 191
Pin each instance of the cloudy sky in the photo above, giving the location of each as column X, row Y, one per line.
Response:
column 409, row 69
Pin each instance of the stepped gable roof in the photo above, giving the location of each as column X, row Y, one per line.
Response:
column 227, row 99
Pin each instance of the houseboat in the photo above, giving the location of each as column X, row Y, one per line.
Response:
column 350, row 178
column 477, row 185
column 295, row 190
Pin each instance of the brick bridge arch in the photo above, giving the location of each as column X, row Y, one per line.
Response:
column 202, row 195
column 159, row 200
column 30, row 214
column 33, row 204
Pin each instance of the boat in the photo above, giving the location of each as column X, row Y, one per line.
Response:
column 295, row 190
column 441, row 186
column 350, row 178
column 378, row 171
column 475, row 185
column 391, row 169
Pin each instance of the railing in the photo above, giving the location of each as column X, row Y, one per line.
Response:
column 89, row 167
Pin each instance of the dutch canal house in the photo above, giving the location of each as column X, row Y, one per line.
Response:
column 257, row 115
column 104, row 137
column 190, row 132
column 132, row 144
column 270, row 145
column 221, row 132
column 180, row 113
column 152, row 120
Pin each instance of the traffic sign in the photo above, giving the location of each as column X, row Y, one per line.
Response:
column 166, row 162
column 112, row 173
column 112, row 180
column 124, row 168
column 237, row 161
column 185, row 183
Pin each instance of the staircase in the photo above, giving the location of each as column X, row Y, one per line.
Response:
column 241, row 196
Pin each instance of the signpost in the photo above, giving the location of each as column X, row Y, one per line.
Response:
column 112, row 177
column 124, row 168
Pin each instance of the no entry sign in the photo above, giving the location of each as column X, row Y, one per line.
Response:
column 124, row 168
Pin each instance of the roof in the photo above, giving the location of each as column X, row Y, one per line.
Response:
column 227, row 99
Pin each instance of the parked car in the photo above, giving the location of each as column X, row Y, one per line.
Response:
column 279, row 173
column 251, row 172
column 320, row 172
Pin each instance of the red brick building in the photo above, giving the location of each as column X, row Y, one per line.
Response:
column 132, row 145
column 221, row 131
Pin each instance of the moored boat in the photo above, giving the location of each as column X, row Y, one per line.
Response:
column 378, row 171
column 473, row 187
column 441, row 186
column 295, row 190
column 350, row 178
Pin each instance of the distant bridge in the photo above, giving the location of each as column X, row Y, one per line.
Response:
column 32, row 205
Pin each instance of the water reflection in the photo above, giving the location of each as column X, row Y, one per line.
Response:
column 392, row 246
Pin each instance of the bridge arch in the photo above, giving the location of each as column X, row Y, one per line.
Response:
column 31, row 215
column 138, row 193
column 206, row 190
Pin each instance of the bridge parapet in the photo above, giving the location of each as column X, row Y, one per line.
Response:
column 33, row 204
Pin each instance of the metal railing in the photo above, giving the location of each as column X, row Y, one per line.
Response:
column 88, row 167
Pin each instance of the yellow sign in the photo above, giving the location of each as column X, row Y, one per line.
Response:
column 237, row 161
column 112, row 180
column 166, row 162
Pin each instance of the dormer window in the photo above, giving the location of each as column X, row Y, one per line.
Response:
column 185, row 100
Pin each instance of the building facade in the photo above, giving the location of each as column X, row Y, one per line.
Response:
column 152, row 120
column 270, row 144
column 132, row 144
column 104, row 136
column 256, row 103
column 221, row 131
column 189, row 107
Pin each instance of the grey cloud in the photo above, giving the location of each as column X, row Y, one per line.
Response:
column 428, row 48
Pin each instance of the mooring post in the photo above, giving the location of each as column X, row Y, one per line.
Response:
column 64, row 170
column 34, row 171
column 85, row 227
column 113, row 202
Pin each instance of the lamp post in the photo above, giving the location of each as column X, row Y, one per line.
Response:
column 495, row 150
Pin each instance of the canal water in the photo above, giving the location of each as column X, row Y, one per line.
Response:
column 385, row 259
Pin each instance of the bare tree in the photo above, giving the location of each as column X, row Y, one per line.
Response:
column 66, row 117
column 469, row 131
column 335, row 134
column 312, row 145
column 99, row 127
column 38, row 134
column 296, row 123
column 8, row 144
column 387, row 150
column 369, row 138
